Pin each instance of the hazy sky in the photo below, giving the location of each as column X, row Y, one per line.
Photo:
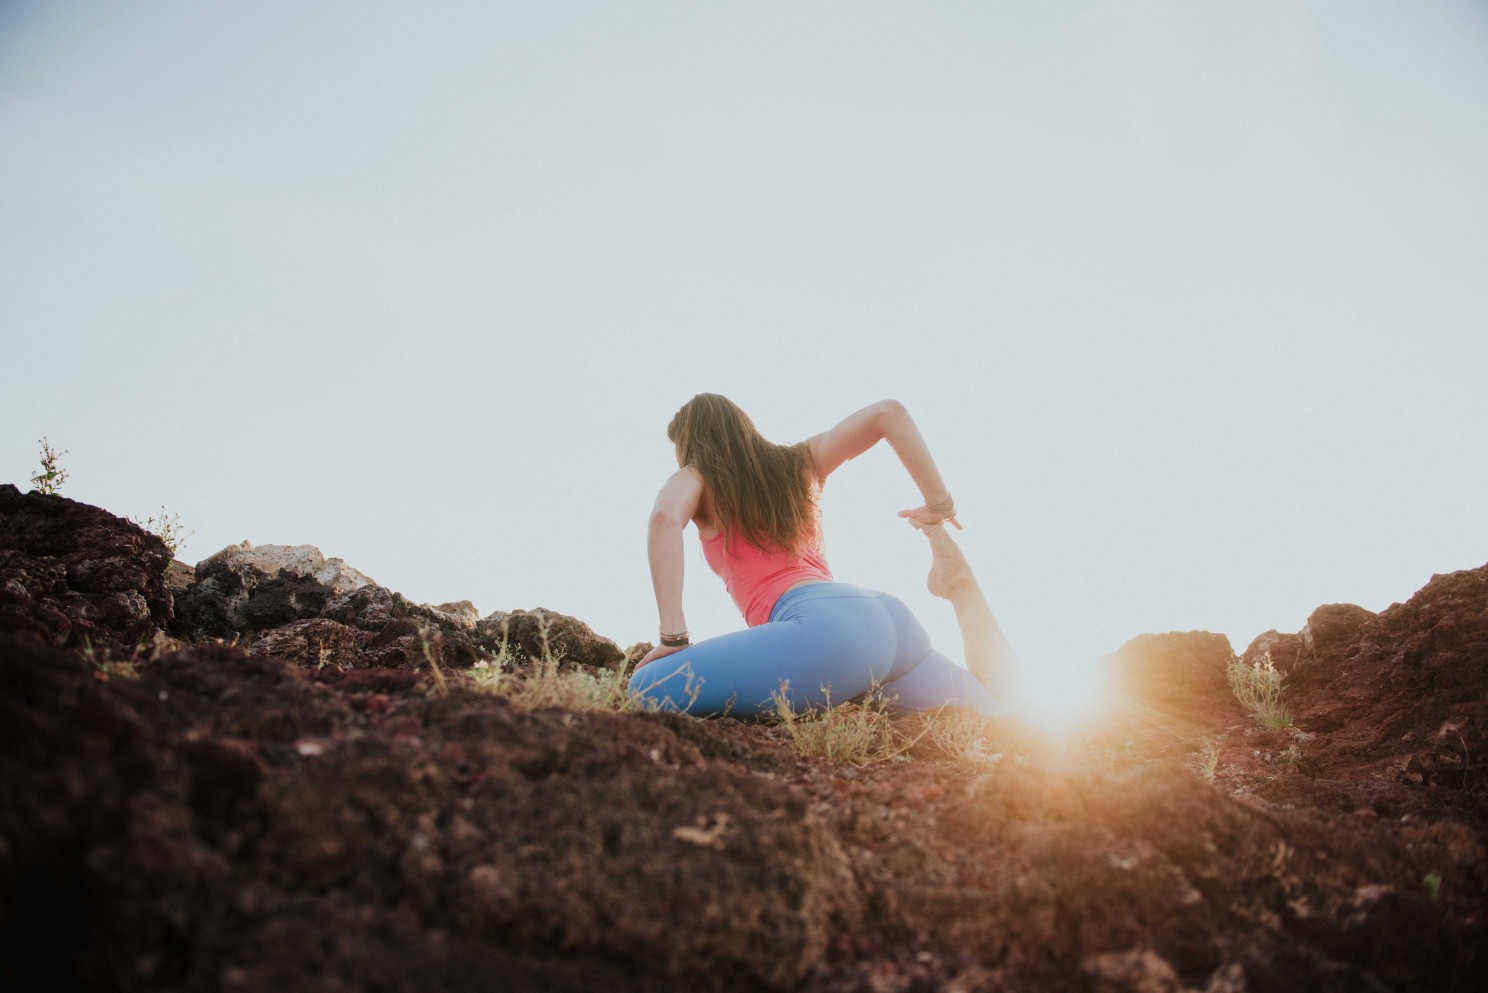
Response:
column 1188, row 298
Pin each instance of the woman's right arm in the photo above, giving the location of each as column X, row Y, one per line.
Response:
column 676, row 505
column 887, row 420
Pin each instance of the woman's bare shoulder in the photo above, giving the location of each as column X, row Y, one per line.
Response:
column 703, row 518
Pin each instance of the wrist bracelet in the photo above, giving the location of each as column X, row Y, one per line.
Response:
column 675, row 641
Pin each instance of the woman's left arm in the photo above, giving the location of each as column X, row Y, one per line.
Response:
column 676, row 505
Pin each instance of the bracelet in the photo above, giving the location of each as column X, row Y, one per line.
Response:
column 675, row 640
column 944, row 508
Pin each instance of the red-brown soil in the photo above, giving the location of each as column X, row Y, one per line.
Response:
column 307, row 810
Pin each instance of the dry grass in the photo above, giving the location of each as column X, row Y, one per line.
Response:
column 1206, row 760
column 1258, row 687
column 960, row 735
column 108, row 664
column 857, row 733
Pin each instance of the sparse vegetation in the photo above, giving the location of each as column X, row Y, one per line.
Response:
column 166, row 527
column 52, row 476
column 108, row 664
column 544, row 682
column 1258, row 687
column 1432, row 885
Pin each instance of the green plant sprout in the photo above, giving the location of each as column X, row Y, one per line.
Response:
column 51, row 477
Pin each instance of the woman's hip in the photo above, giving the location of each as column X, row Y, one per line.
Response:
column 855, row 618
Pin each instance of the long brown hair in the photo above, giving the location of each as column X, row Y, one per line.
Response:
column 762, row 491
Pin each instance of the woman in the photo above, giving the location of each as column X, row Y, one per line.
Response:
column 755, row 505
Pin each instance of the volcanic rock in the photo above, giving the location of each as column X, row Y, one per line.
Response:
column 536, row 634
column 314, row 643
column 298, row 560
column 460, row 612
column 71, row 574
column 403, row 634
column 1398, row 696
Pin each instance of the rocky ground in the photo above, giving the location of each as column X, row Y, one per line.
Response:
column 270, row 774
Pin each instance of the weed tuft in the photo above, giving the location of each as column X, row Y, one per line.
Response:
column 51, row 477
column 1258, row 687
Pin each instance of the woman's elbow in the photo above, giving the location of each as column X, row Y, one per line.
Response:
column 666, row 519
column 890, row 412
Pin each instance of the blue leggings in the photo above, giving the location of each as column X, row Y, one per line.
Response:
column 822, row 637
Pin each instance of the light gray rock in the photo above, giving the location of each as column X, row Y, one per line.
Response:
column 299, row 560
column 461, row 612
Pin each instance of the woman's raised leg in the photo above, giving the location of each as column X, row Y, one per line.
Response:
column 989, row 654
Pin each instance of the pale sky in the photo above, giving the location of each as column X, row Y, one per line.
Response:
column 1189, row 299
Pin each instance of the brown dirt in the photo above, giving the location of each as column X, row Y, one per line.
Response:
column 313, row 813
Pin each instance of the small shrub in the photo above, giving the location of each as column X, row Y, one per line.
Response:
column 1258, row 687
column 51, row 477
column 1432, row 885
column 859, row 734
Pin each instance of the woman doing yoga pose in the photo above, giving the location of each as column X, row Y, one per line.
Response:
column 755, row 505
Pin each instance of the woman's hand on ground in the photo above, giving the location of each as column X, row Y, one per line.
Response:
column 928, row 517
column 659, row 652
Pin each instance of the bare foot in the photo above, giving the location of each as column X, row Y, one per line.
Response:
column 949, row 570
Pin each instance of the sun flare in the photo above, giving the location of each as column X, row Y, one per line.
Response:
column 1060, row 695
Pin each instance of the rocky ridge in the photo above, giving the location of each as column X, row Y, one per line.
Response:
column 273, row 773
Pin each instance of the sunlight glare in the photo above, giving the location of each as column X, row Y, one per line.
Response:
column 1059, row 695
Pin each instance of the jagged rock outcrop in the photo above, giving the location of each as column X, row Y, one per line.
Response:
column 314, row 610
column 460, row 612
column 1329, row 631
column 71, row 574
column 1400, row 696
column 242, row 589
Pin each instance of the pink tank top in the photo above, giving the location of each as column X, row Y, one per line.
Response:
column 756, row 578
